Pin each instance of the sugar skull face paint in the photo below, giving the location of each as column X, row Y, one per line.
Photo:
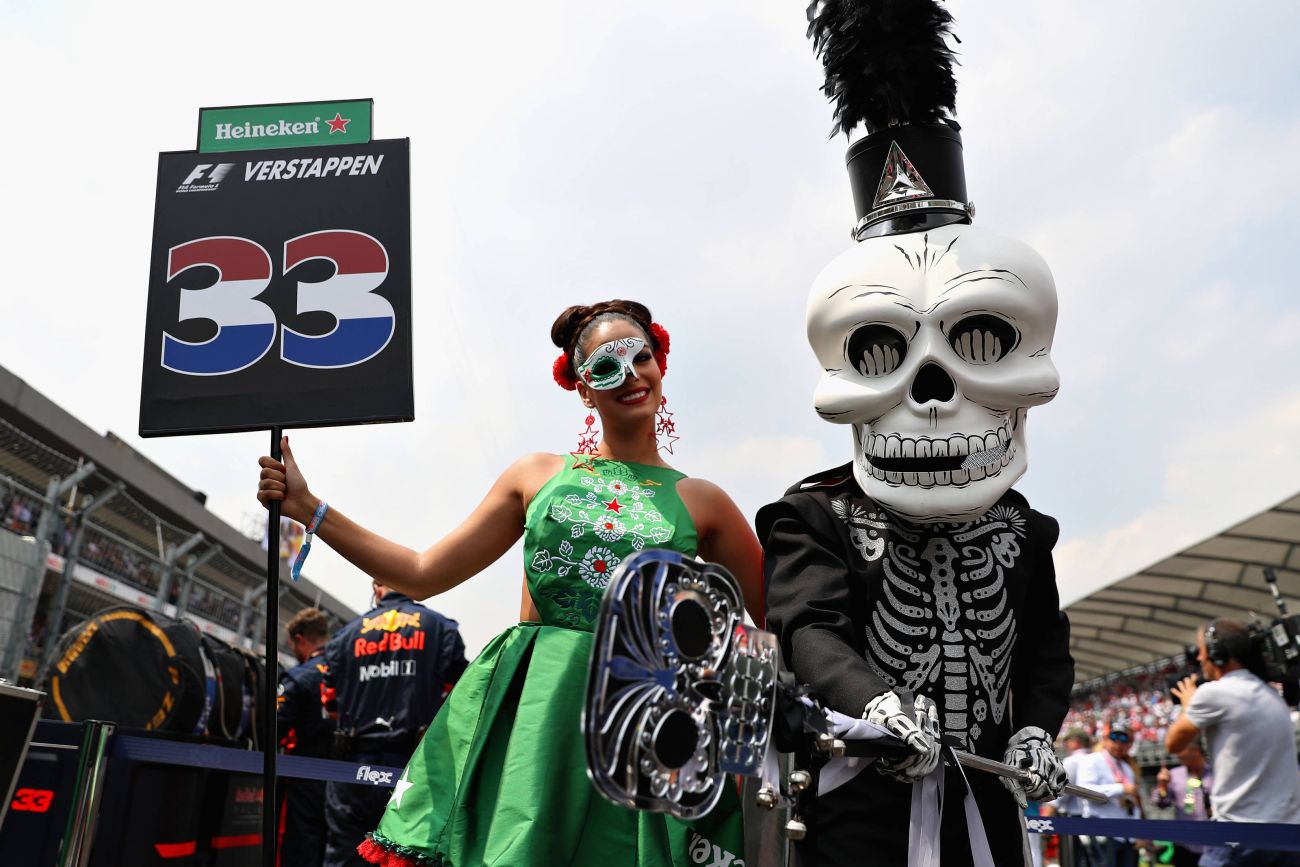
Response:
column 610, row 364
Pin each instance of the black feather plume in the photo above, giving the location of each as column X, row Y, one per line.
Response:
column 887, row 62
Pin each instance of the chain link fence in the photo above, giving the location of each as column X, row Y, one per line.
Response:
column 64, row 558
column 15, row 564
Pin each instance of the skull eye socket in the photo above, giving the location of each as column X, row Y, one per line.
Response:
column 875, row 350
column 983, row 339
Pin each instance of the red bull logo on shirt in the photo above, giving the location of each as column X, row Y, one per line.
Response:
column 388, row 643
column 390, row 621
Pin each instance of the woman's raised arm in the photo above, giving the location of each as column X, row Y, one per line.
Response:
column 489, row 531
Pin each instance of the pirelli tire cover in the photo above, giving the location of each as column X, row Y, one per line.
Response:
column 142, row 669
column 121, row 666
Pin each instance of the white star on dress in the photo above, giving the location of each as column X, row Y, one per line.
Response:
column 399, row 790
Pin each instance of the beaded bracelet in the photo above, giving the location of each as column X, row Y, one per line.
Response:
column 306, row 542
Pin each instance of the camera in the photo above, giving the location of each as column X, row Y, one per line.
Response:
column 1278, row 645
column 1191, row 667
column 1274, row 650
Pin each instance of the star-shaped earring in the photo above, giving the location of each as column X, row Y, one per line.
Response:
column 665, row 427
column 584, row 455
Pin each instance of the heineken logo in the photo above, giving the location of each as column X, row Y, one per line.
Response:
column 229, row 131
column 282, row 126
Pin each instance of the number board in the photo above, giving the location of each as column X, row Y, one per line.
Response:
column 279, row 290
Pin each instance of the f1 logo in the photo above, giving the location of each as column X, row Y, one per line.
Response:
column 216, row 174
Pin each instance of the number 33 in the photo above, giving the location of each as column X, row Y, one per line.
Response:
column 246, row 327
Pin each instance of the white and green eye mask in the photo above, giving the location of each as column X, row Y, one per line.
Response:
column 609, row 366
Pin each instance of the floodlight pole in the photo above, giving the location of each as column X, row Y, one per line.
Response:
column 272, row 679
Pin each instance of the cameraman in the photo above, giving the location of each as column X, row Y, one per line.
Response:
column 1252, row 741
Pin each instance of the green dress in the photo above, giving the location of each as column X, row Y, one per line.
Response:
column 500, row 777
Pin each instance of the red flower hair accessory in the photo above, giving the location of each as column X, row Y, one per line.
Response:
column 562, row 370
column 660, row 336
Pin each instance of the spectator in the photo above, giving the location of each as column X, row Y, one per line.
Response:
column 390, row 670
column 1252, row 742
column 1187, row 790
column 1078, row 744
column 304, row 730
column 1110, row 772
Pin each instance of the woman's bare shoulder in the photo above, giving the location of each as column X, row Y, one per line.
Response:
column 702, row 498
column 702, row 489
column 530, row 472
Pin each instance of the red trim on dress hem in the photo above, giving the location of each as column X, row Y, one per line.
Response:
column 376, row 853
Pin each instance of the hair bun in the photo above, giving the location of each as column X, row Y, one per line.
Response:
column 570, row 324
column 567, row 325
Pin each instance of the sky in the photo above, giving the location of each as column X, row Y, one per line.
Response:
column 677, row 153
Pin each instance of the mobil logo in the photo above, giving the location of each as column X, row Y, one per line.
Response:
column 392, row 668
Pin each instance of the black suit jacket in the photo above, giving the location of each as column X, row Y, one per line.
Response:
column 967, row 614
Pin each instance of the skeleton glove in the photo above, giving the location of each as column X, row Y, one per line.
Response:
column 920, row 733
column 1030, row 750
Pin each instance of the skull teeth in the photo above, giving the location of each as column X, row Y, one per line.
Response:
column 925, row 462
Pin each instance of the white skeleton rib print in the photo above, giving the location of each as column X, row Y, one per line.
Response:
column 943, row 610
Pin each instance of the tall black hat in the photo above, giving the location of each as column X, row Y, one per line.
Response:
column 888, row 67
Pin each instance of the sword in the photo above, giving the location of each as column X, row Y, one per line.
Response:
column 980, row 763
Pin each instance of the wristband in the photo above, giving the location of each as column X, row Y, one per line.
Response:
column 312, row 527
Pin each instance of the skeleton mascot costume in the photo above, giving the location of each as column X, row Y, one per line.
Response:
column 913, row 587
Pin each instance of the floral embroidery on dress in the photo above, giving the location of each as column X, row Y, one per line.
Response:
column 611, row 509
column 612, row 506
column 596, row 565
column 578, row 605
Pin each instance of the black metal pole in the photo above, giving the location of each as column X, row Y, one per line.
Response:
column 272, row 681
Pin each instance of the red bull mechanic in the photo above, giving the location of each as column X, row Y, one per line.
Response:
column 305, row 730
column 388, row 673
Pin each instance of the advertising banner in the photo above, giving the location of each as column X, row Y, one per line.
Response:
column 296, row 124
column 279, row 290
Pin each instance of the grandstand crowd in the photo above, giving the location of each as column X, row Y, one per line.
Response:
column 20, row 513
column 1140, row 702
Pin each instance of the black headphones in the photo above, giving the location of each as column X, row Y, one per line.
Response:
column 1233, row 646
column 1215, row 652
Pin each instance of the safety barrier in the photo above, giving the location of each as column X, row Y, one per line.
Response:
column 1248, row 835
column 246, row 762
column 156, row 751
column 144, row 799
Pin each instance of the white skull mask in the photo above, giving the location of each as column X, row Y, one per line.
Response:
column 934, row 345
